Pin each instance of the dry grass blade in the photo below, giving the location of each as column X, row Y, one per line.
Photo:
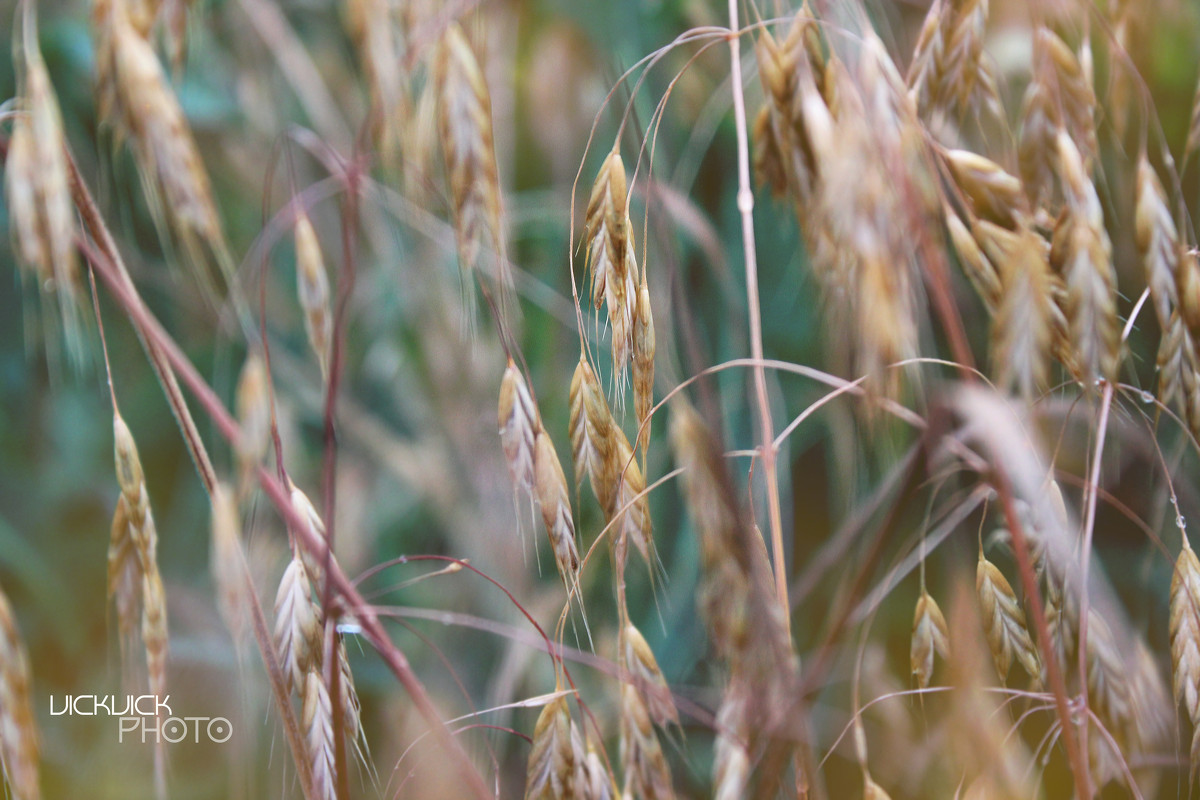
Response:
column 929, row 636
column 297, row 624
column 465, row 121
column 312, row 285
column 519, row 426
column 317, row 720
column 1185, row 632
column 1003, row 621
column 551, row 771
column 550, row 488
column 642, row 669
column 18, row 734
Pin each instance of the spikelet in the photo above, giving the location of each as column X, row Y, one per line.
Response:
column 642, row 669
column 225, row 559
column 550, row 489
column 312, row 285
column 519, row 425
column 297, row 624
column 1003, row 621
column 872, row 790
column 551, row 771
column 631, row 506
column 154, row 629
column 929, row 636
column 978, row 268
column 994, row 194
column 351, row 706
column 135, row 99
column 610, row 257
column 1185, row 631
column 1028, row 321
column 646, row 772
column 643, row 364
column 317, row 720
column 18, row 734
column 254, row 419
column 1157, row 241
column 1036, row 144
column 1086, row 266
column 1072, row 78
column 124, row 573
column 1108, row 681
column 592, row 426
column 768, row 155
column 41, row 213
column 592, row 778
column 465, row 122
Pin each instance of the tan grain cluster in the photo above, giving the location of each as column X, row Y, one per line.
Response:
column 1185, row 640
column 1004, row 621
column 552, row 769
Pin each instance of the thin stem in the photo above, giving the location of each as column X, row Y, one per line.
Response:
column 745, row 203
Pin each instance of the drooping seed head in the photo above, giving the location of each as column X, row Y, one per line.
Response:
column 19, row 744
column 129, row 466
column 519, row 425
column 297, row 624
column 1003, row 621
column 226, row 558
column 1185, row 631
column 642, row 669
column 550, row 489
column 592, row 437
column 551, row 771
column 643, row 363
column 317, row 720
column 254, row 413
column 930, row 635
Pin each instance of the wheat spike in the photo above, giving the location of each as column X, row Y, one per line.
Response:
column 1003, row 621
column 994, row 194
column 519, row 426
column 465, row 122
column 1185, row 631
column 124, row 573
column 930, row 635
column 312, row 284
column 1108, row 680
column 610, row 258
column 550, row 488
column 947, row 69
column 638, row 660
column 551, row 771
column 18, row 735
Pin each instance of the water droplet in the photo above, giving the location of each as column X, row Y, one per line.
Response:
column 1180, row 522
column 1147, row 397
